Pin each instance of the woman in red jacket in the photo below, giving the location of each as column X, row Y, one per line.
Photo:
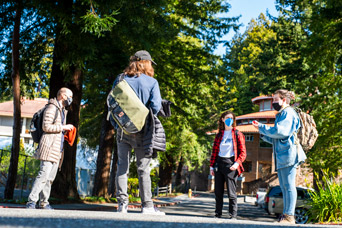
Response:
column 229, row 151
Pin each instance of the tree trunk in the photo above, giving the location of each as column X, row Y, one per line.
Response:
column 104, row 158
column 165, row 171
column 179, row 172
column 13, row 168
column 65, row 184
column 112, row 184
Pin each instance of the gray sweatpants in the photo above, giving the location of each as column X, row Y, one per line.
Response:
column 125, row 146
column 42, row 185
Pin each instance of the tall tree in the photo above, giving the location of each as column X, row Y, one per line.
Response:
column 267, row 57
column 71, row 53
column 321, row 94
column 186, row 62
column 13, row 168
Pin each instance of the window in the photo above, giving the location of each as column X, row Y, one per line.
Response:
column 262, row 121
column 264, row 144
column 244, row 121
column 249, row 137
column 267, row 105
column 276, row 192
column 247, row 165
column 6, row 121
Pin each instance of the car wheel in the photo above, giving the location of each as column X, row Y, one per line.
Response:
column 301, row 215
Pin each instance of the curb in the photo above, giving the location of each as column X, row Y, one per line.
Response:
column 99, row 208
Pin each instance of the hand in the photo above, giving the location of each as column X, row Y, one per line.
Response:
column 235, row 166
column 212, row 173
column 255, row 124
column 67, row 127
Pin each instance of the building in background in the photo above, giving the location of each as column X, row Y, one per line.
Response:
column 259, row 163
column 28, row 108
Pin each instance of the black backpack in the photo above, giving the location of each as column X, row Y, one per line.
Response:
column 36, row 126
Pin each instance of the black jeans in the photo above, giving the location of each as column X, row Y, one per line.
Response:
column 223, row 175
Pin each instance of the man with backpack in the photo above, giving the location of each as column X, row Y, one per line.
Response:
column 50, row 148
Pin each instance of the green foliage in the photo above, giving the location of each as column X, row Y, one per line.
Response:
column 98, row 199
column 133, row 186
column 35, row 51
column 31, row 169
column 133, row 183
column 326, row 203
column 265, row 58
column 97, row 25
column 183, row 52
column 154, row 179
column 16, row 201
column 320, row 91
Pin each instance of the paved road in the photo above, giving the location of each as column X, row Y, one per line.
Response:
column 190, row 213
column 204, row 206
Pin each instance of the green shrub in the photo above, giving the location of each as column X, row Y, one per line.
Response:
column 327, row 201
column 133, row 186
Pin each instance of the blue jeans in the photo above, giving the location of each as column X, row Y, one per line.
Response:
column 287, row 182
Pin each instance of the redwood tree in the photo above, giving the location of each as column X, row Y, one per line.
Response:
column 13, row 168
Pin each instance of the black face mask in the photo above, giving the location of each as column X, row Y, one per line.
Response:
column 276, row 106
column 67, row 102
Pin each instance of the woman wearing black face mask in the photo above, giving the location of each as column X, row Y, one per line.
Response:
column 287, row 151
column 229, row 151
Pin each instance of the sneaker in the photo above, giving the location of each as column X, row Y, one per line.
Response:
column 46, row 207
column 217, row 215
column 122, row 208
column 288, row 219
column 281, row 217
column 152, row 211
column 30, row 206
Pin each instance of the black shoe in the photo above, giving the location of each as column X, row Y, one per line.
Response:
column 217, row 215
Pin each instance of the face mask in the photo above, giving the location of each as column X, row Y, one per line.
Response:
column 68, row 102
column 229, row 122
column 276, row 106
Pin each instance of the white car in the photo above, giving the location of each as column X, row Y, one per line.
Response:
column 274, row 203
column 260, row 197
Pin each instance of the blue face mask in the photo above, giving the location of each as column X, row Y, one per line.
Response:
column 229, row 122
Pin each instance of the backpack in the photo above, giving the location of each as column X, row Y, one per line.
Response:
column 307, row 134
column 36, row 126
column 125, row 108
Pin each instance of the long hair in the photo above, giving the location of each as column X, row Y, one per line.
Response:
column 222, row 124
column 139, row 67
column 283, row 93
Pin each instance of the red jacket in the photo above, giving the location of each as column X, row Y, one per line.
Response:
column 239, row 149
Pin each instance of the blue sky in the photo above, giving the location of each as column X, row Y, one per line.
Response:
column 248, row 9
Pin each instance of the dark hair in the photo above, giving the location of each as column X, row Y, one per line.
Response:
column 136, row 67
column 221, row 124
column 283, row 93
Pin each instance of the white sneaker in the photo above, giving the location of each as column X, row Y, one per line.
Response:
column 152, row 211
column 122, row 208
